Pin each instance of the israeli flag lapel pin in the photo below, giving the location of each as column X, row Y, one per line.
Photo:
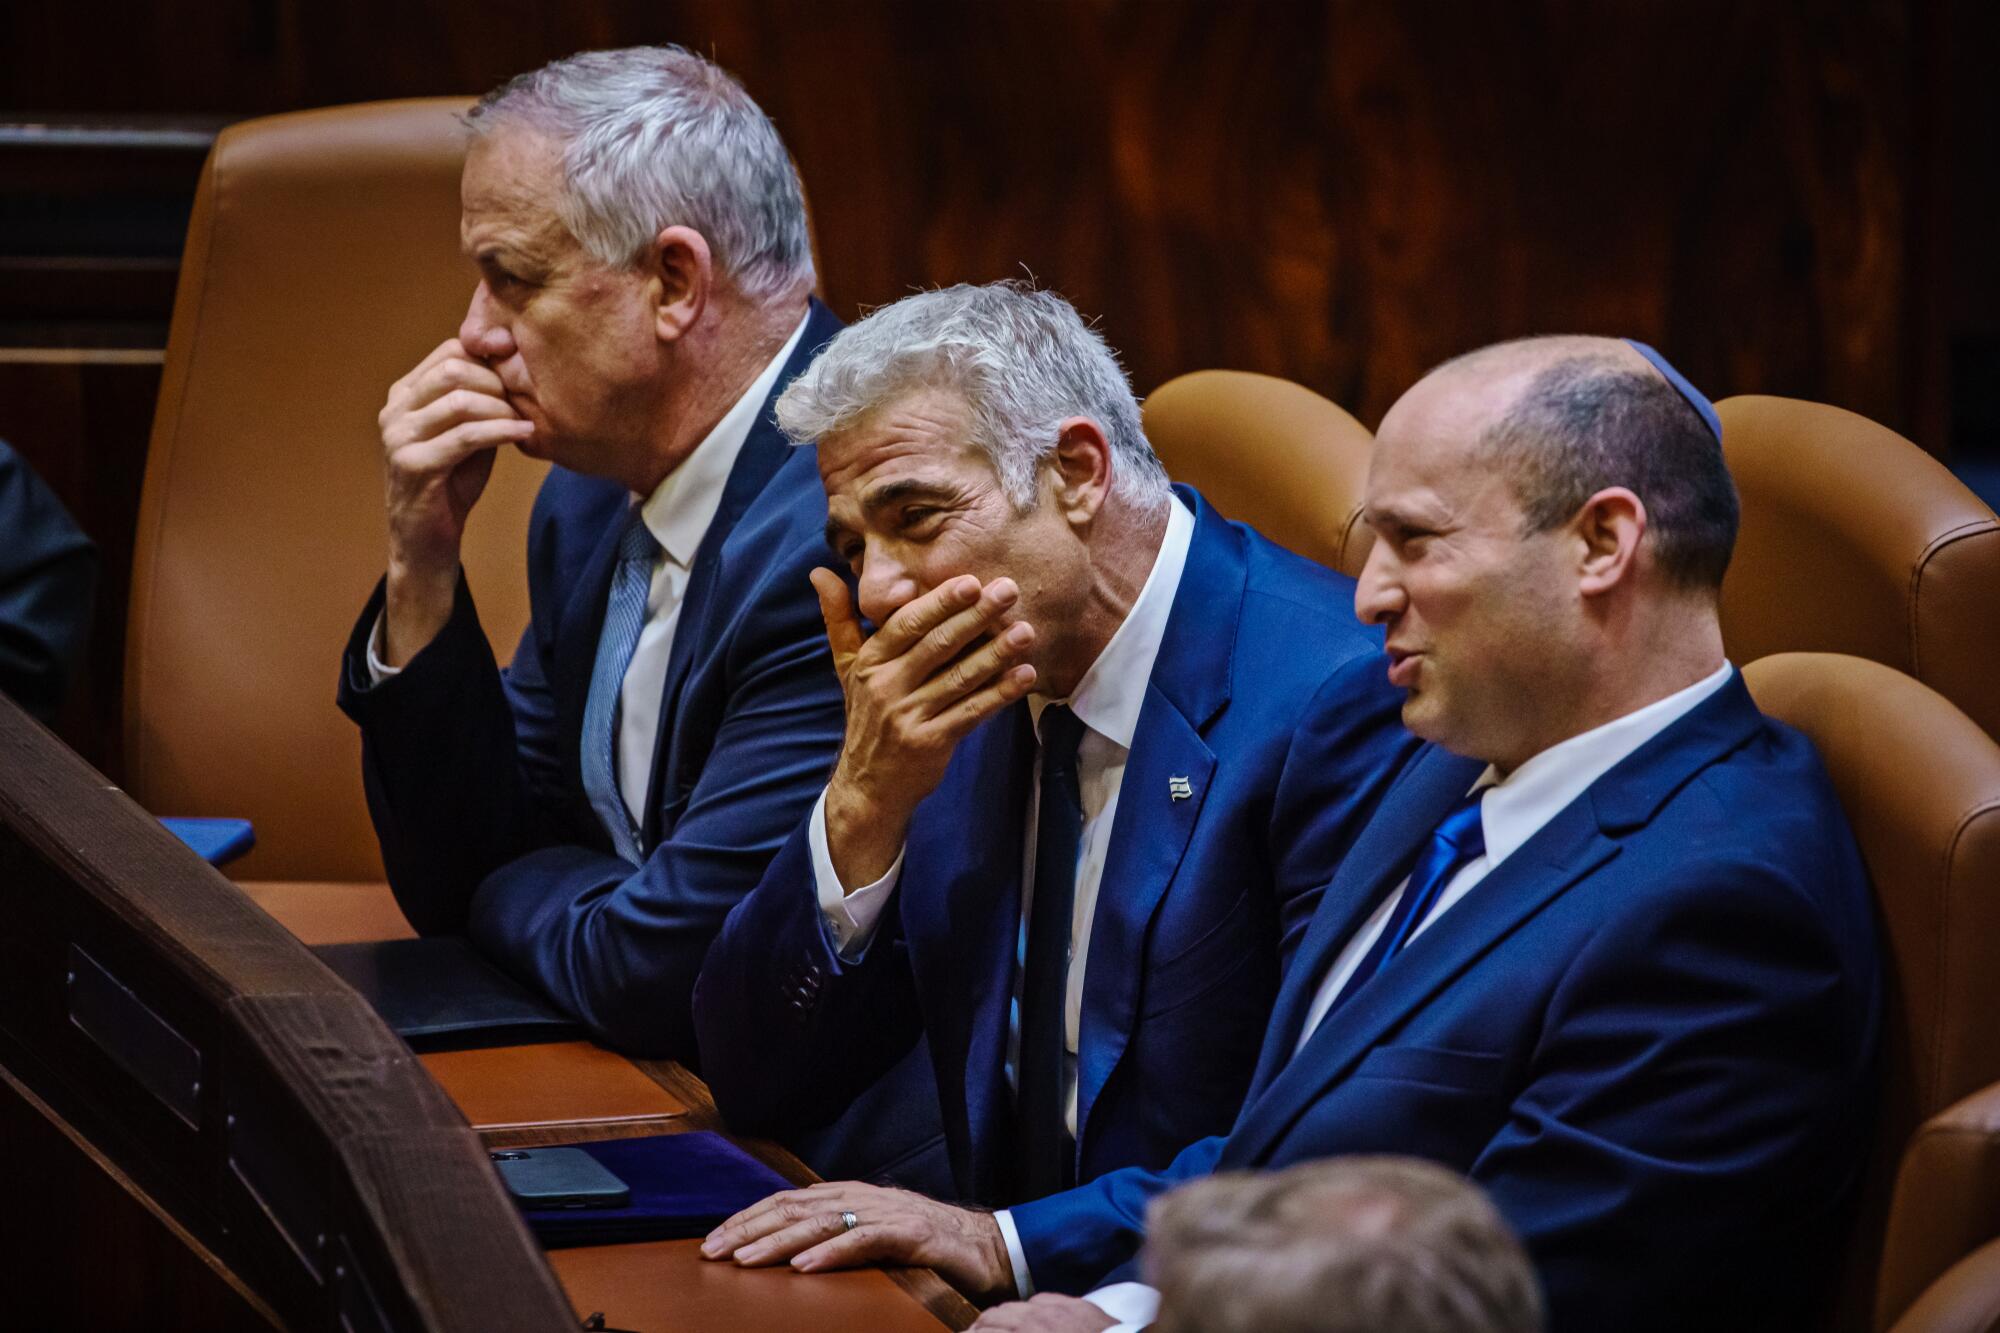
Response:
column 1179, row 788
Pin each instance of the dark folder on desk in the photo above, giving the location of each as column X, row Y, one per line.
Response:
column 438, row 994
column 682, row 1185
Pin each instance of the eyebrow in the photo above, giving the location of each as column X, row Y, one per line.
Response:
column 885, row 495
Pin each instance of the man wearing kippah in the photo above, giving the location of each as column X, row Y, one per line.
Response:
column 1607, row 946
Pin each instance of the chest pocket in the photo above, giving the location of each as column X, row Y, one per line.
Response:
column 1234, row 943
column 1467, row 1071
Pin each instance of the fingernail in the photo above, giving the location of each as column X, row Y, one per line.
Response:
column 1019, row 635
column 802, row 1264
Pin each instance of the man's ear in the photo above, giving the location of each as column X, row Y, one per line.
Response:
column 1082, row 469
column 1608, row 530
column 682, row 279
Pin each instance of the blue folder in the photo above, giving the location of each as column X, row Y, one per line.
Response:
column 216, row 841
column 682, row 1185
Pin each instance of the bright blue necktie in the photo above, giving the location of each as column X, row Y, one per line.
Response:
column 1459, row 840
column 624, row 616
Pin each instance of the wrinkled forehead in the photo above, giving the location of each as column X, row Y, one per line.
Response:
column 509, row 188
column 926, row 431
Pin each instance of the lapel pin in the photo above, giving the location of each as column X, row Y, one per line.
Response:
column 1179, row 789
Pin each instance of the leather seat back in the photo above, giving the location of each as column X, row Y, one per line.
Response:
column 1270, row 453
column 321, row 265
column 1856, row 541
column 1921, row 786
column 1947, row 1203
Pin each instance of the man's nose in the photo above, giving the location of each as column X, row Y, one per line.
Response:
column 1378, row 593
column 884, row 587
column 482, row 332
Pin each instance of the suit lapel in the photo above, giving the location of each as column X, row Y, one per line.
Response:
column 765, row 450
column 1575, row 844
column 1149, row 836
column 961, row 908
column 1563, row 852
column 1381, row 856
column 1150, row 832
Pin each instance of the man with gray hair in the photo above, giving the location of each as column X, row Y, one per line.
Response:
column 590, row 813
column 1348, row 1245
column 1102, row 751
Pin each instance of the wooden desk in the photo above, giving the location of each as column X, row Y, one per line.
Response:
column 569, row 1092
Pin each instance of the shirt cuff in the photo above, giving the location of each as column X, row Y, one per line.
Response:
column 1133, row 1304
column 378, row 670
column 1024, row 1282
column 850, row 918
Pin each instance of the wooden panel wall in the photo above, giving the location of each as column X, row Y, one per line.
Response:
column 1342, row 193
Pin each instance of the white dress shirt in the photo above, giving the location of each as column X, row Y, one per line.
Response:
column 1513, row 810
column 1107, row 701
column 677, row 513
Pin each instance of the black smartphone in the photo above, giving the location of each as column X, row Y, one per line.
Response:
column 559, row 1178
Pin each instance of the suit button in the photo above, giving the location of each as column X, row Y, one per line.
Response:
column 812, row 975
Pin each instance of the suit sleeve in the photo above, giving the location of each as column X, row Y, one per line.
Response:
column 1346, row 752
column 48, row 583
column 1080, row 1239
column 621, row 948
column 1695, row 1054
column 790, row 1032
column 458, row 761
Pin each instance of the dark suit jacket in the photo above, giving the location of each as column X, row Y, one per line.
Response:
column 48, row 582
column 1649, row 1033
column 1273, row 702
column 475, row 782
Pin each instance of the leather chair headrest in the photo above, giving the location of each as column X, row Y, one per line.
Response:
column 1270, row 453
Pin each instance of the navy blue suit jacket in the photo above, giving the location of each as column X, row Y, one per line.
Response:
column 1273, row 702
column 1649, row 1033
column 48, row 582
column 474, row 777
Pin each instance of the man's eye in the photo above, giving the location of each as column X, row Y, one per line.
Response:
column 916, row 516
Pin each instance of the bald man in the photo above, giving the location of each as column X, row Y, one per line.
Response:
column 1606, row 946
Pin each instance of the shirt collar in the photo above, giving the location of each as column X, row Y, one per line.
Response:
column 1515, row 809
column 681, row 507
column 1112, row 692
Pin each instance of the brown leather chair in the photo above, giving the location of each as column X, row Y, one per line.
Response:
column 322, row 263
column 1856, row 541
column 1921, row 786
column 1269, row 452
column 1947, row 1202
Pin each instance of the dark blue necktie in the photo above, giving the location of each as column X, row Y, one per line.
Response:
column 1047, row 1153
column 1459, row 840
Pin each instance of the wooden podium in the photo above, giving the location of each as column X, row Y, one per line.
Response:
column 202, row 1127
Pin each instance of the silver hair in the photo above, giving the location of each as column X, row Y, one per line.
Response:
column 1022, row 360
column 656, row 136
column 1341, row 1245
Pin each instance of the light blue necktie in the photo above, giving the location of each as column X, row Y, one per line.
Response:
column 624, row 616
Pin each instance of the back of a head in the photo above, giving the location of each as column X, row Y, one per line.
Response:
column 656, row 136
column 1348, row 1245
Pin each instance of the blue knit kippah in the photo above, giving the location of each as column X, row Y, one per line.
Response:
column 1681, row 386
